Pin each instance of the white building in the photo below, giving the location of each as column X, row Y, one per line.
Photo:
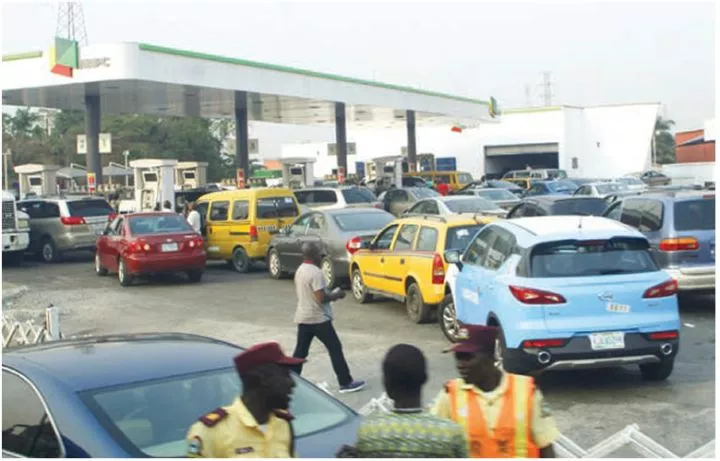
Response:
column 599, row 141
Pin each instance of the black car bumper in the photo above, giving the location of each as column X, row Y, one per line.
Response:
column 578, row 354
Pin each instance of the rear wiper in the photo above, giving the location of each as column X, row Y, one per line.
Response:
column 612, row 272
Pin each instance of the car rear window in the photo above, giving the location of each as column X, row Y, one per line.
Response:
column 160, row 224
column 276, row 207
column 459, row 237
column 152, row 417
column 562, row 186
column 576, row 258
column 470, row 205
column 496, row 194
column 89, row 208
column 585, row 207
column 425, row 193
column 695, row 215
column 358, row 195
column 362, row 221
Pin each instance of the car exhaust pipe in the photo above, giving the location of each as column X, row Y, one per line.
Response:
column 544, row 357
column 666, row 349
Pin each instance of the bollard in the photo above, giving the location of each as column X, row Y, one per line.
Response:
column 52, row 323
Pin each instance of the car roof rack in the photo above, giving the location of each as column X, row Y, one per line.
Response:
column 432, row 217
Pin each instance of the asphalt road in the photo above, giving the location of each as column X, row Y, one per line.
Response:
column 589, row 406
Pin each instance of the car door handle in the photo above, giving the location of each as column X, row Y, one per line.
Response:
column 382, row 260
column 402, row 261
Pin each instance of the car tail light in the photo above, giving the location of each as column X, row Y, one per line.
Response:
column 253, row 234
column 378, row 205
column 139, row 246
column 543, row 343
column 662, row 290
column 353, row 245
column 438, row 270
column 195, row 243
column 660, row 335
column 533, row 296
column 679, row 244
column 112, row 216
column 72, row 220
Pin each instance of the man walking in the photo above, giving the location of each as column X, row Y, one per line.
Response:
column 408, row 431
column 503, row 414
column 314, row 317
column 257, row 424
column 194, row 218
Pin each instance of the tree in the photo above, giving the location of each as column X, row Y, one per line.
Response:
column 664, row 141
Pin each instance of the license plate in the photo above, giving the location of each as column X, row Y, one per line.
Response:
column 169, row 247
column 98, row 228
column 605, row 341
column 618, row 308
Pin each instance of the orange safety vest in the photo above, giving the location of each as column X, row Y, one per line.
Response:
column 512, row 435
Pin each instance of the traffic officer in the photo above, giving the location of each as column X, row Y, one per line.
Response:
column 503, row 414
column 258, row 423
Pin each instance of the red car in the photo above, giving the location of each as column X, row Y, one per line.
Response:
column 149, row 243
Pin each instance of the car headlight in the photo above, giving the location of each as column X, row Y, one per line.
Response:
column 23, row 224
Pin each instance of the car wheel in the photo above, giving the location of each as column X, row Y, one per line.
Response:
column 195, row 276
column 657, row 371
column 99, row 270
column 240, row 261
column 447, row 318
column 48, row 251
column 274, row 265
column 124, row 276
column 328, row 273
column 417, row 309
column 359, row 290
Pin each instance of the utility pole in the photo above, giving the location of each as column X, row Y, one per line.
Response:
column 6, row 160
column 71, row 22
column 547, row 86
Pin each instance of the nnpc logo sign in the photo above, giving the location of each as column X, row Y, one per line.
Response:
column 64, row 57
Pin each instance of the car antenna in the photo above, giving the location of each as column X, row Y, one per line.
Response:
column 580, row 222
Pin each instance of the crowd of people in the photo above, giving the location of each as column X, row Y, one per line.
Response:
column 483, row 413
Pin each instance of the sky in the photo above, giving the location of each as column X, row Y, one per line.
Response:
column 596, row 53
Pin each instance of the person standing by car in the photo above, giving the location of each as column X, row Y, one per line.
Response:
column 443, row 188
column 485, row 401
column 408, row 431
column 194, row 218
column 257, row 424
column 314, row 317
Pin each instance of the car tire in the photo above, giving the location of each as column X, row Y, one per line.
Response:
column 124, row 276
column 99, row 270
column 274, row 265
column 195, row 276
column 418, row 310
column 328, row 273
column 358, row 288
column 240, row 261
column 657, row 371
column 48, row 250
column 447, row 318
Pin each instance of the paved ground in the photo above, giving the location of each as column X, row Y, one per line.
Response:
column 589, row 406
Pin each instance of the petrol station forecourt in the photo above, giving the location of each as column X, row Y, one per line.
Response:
column 140, row 78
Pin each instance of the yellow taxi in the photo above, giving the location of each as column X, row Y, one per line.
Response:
column 454, row 179
column 405, row 260
column 239, row 224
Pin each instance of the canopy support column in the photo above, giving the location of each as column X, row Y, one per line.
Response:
column 411, row 141
column 92, row 134
column 341, row 137
column 242, row 147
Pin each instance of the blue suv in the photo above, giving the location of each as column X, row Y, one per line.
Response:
column 681, row 229
column 567, row 292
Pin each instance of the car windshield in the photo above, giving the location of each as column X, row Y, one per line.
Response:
column 353, row 222
column 152, row 418
column 609, row 188
column 158, row 224
column 631, row 181
column 691, row 215
column 459, row 237
column 425, row 193
column 496, row 194
column 573, row 258
column 276, row 207
column 358, row 195
column 583, row 207
column 470, row 205
column 562, row 186
column 89, row 208
column 464, row 178
column 503, row 184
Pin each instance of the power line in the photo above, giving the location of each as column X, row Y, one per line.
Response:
column 71, row 22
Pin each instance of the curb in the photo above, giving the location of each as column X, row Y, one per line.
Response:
column 12, row 293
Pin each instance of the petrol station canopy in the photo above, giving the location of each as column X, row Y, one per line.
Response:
column 147, row 79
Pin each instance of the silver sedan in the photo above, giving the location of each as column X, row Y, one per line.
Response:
column 456, row 204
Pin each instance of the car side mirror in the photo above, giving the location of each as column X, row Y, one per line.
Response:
column 453, row 257
column 372, row 245
column 106, row 231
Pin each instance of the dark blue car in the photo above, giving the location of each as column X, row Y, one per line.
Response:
column 554, row 187
column 137, row 396
column 680, row 226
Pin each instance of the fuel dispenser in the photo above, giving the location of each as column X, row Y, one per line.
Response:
column 298, row 172
column 36, row 179
column 154, row 183
column 190, row 175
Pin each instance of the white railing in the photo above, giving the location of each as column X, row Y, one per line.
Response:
column 565, row 448
column 17, row 333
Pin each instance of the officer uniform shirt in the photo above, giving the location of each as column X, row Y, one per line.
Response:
column 543, row 428
column 233, row 432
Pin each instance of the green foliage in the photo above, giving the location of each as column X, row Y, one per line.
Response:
column 664, row 141
column 144, row 136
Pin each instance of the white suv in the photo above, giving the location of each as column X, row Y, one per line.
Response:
column 330, row 198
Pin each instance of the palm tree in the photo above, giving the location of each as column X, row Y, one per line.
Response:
column 664, row 141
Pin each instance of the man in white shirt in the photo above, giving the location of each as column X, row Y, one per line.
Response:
column 194, row 218
column 314, row 317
